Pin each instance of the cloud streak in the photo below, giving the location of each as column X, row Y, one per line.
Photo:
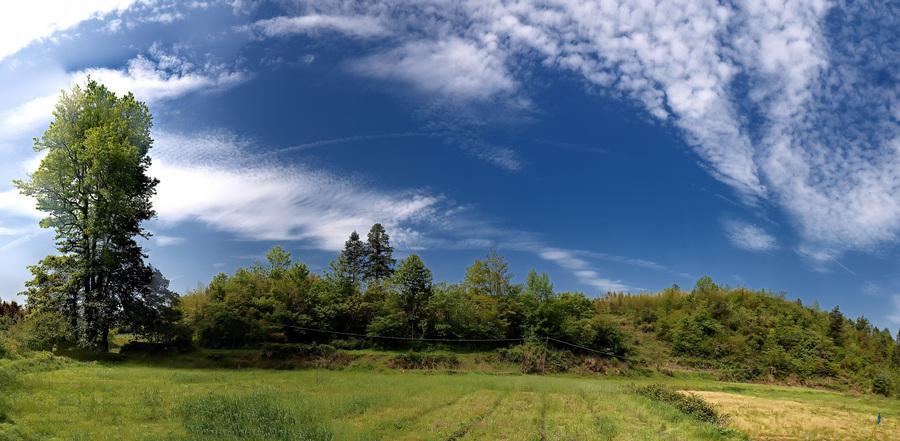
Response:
column 362, row 27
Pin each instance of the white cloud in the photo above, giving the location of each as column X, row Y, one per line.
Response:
column 12, row 203
column 569, row 260
column 360, row 26
column 212, row 179
column 165, row 241
column 162, row 77
column 749, row 237
column 155, row 77
column 22, row 23
column 452, row 68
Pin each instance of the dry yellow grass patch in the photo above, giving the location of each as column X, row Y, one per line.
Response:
column 771, row 419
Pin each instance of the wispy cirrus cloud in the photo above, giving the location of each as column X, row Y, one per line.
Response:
column 213, row 179
column 156, row 76
column 782, row 104
column 166, row 241
column 354, row 26
column 750, row 237
column 582, row 269
column 453, row 68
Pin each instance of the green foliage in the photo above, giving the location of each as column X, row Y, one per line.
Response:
column 407, row 311
column 751, row 335
column 380, row 261
column 354, row 259
column 48, row 330
column 687, row 403
column 425, row 360
column 283, row 351
column 882, row 384
column 93, row 186
column 534, row 357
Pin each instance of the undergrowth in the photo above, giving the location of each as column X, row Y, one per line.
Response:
column 687, row 403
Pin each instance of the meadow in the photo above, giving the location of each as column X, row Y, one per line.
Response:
column 57, row 399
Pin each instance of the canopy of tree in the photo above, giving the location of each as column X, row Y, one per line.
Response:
column 93, row 186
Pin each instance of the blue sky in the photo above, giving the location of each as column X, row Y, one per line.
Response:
column 614, row 145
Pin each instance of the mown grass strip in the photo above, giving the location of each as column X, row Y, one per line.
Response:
column 542, row 425
column 469, row 425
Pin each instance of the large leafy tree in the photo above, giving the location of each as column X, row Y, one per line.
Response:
column 94, row 188
column 491, row 276
column 414, row 289
column 380, row 263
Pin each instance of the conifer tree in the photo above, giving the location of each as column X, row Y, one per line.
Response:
column 354, row 258
column 380, row 263
column 836, row 326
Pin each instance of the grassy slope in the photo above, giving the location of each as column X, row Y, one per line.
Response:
column 131, row 401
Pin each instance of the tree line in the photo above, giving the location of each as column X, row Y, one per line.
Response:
column 364, row 292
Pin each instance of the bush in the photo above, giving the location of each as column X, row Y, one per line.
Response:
column 47, row 331
column 351, row 343
column 145, row 347
column 534, row 357
column 284, row 351
column 419, row 360
column 882, row 385
column 687, row 403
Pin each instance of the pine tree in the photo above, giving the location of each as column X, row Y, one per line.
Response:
column 354, row 258
column 380, row 263
column 836, row 326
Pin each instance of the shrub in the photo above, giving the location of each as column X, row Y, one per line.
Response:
column 144, row 347
column 283, row 351
column 535, row 357
column 687, row 403
column 419, row 360
column 351, row 343
column 47, row 331
column 882, row 385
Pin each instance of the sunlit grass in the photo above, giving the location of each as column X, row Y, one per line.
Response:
column 133, row 402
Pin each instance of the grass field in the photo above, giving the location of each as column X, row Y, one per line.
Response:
column 130, row 401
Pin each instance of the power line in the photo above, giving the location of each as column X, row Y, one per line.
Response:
column 457, row 340
column 387, row 337
column 611, row 354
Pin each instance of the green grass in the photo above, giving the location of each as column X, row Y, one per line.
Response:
column 132, row 401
